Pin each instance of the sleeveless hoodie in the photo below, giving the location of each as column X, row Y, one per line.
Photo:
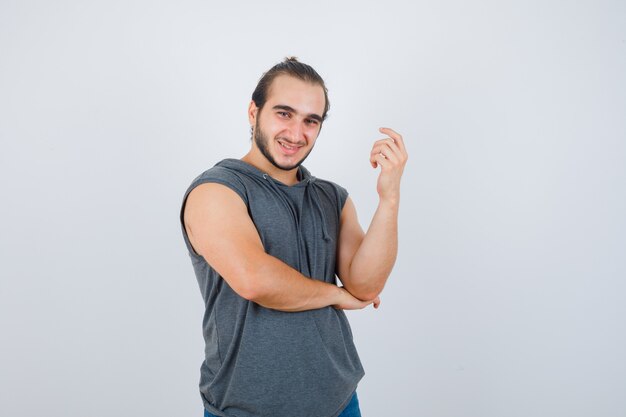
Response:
column 265, row 362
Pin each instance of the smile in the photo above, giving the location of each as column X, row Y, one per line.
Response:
column 288, row 148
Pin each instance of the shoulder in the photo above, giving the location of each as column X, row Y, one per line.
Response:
column 220, row 175
column 212, row 198
column 211, row 205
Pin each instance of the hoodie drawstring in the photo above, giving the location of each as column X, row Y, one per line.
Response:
column 287, row 203
column 313, row 195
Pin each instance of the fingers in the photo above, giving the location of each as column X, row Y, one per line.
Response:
column 389, row 151
column 394, row 135
column 395, row 142
column 352, row 303
column 379, row 159
column 385, row 154
column 375, row 302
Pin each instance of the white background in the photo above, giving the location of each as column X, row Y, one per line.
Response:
column 508, row 297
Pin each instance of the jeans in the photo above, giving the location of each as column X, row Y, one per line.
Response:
column 351, row 410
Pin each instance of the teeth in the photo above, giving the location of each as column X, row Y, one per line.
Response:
column 285, row 145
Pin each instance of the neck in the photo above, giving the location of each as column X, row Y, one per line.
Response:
column 288, row 177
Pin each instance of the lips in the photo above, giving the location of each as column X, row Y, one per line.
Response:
column 288, row 148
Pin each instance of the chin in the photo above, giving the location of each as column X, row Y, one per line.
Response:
column 287, row 166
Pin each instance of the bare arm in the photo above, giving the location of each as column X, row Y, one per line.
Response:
column 365, row 260
column 220, row 229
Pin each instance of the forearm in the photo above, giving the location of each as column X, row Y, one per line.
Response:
column 274, row 284
column 374, row 259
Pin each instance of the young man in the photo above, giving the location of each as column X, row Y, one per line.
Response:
column 267, row 241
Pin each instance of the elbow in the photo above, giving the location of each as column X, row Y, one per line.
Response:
column 251, row 290
column 248, row 292
column 365, row 287
column 246, row 285
column 365, row 293
column 255, row 282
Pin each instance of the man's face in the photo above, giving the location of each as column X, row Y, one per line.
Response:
column 289, row 123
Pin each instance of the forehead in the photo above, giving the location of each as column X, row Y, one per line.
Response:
column 303, row 96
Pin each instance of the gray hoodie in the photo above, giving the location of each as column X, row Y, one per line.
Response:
column 265, row 362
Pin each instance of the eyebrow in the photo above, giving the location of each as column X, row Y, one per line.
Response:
column 292, row 110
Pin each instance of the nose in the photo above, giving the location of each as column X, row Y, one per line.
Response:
column 297, row 130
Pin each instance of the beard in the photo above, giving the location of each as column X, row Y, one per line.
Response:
column 262, row 142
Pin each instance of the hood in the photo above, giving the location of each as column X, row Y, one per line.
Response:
column 304, row 176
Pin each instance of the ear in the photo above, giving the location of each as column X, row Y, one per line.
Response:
column 253, row 112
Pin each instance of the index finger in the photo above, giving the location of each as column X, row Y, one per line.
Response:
column 393, row 135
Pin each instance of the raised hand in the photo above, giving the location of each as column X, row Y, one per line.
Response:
column 390, row 154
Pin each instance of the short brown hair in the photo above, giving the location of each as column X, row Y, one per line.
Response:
column 290, row 66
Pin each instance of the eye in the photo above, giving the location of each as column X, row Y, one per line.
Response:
column 311, row 122
column 283, row 113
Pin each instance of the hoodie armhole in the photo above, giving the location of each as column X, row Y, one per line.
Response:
column 343, row 197
column 239, row 189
